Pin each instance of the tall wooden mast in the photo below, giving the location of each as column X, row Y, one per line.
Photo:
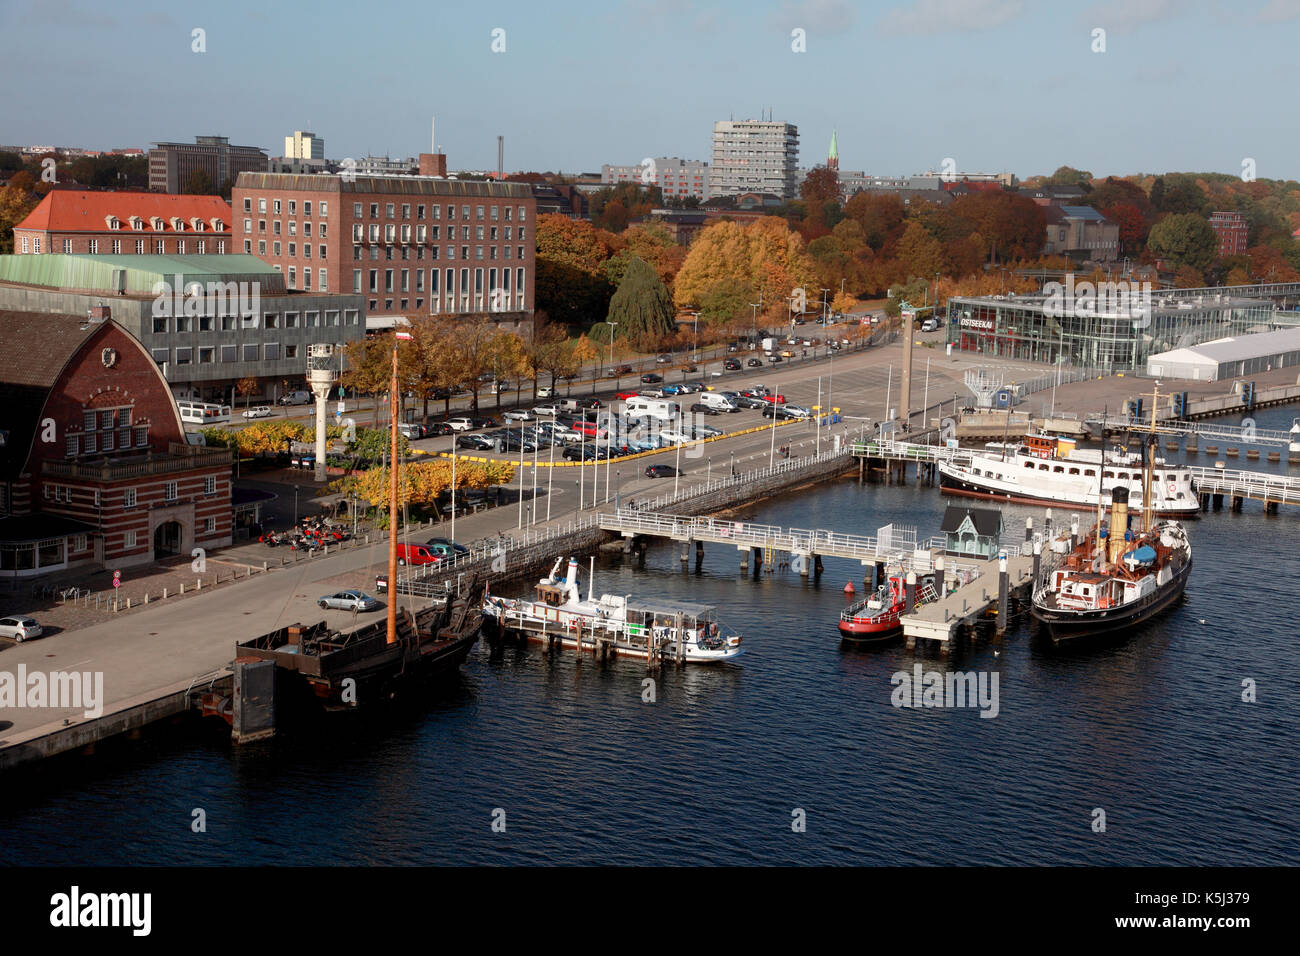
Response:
column 392, row 503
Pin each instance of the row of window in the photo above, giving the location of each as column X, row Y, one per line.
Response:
column 293, row 207
column 358, row 253
column 311, row 319
column 450, row 288
column 64, row 493
column 157, row 223
column 207, row 354
column 322, row 232
column 431, row 234
column 494, row 212
column 142, row 246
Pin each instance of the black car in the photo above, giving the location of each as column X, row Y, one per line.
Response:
column 704, row 409
column 774, row 358
column 651, row 378
column 660, row 471
column 447, row 543
column 749, row 401
column 476, row 442
column 755, row 363
column 582, row 453
column 484, row 422
column 438, row 428
column 731, row 365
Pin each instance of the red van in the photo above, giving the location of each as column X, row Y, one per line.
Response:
column 416, row 554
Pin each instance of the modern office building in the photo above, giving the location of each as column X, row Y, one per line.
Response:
column 675, row 177
column 171, row 165
column 209, row 322
column 1232, row 230
column 125, row 223
column 1110, row 338
column 408, row 244
column 119, row 485
column 754, row 156
column 303, row 145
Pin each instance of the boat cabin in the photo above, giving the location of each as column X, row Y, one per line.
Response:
column 972, row 532
column 553, row 595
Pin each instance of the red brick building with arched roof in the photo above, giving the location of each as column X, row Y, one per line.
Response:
column 95, row 468
column 125, row 223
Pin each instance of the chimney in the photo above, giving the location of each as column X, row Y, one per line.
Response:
column 501, row 157
column 433, row 164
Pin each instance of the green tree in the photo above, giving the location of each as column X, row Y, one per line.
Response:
column 200, row 183
column 642, row 307
column 1185, row 240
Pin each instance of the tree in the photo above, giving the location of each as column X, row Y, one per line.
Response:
column 881, row 216
column 1069, row 176
column 375, row 444
column 369, row 367
column 246, row 387
column 1132, row 225
column 920, row 253
column 765, row 255
column 507, row 359
column 651, row 243
column 1185, row 240
column 822, row 183
column 17, row 199
column 642, row 307
column 200, row 183
column 1012, row 225
column 571, row 285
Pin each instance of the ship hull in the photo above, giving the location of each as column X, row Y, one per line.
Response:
column 861, row 631
column 1073, row 625
column 951, row 485
column 496, row 630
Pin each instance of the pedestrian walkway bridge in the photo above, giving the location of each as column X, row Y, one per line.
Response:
column 1217, row 431
column 1272, row 489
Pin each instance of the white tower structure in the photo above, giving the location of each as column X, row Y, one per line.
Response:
column 320, row 376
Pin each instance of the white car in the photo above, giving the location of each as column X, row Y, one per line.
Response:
column 258, row 411
column 545, row 391
column 519, row 415
column 674, row 436
column 546, row 411
column 19, row 628
column 460, row 424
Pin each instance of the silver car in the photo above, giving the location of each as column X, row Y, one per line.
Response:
column 19, row 628
column 349, row 601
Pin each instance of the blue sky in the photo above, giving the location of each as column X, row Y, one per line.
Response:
column 994, row 84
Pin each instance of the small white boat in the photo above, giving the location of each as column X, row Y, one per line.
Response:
column 615, row 623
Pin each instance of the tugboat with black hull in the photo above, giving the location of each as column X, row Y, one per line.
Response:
column 1116, row 578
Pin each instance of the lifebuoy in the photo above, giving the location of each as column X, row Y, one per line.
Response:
column 1173, row 488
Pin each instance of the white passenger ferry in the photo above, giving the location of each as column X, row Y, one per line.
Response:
column 615, row 622
column 1049, row 470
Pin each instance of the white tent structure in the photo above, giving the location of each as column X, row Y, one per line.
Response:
column 1229, row 357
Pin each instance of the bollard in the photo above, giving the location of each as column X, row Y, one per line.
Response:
column 182, row 588
column 909, row 594
column 146, row 597
column 198, row 584
column 128, row 604
column 938, row 576
column 164, row 594
column 264, row 567
column 1029, row 529
column 1038, row 555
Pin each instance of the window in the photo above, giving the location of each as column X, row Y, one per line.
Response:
column 210, row 485
column 495, row 213
column 160, row 326
column 159, row 245
column 374, row 280
column 73, row 446
column 94, row 246
column 325, row 211
column 250, row 351
column 67, row 245
column 291, row 320
column 227, row 323
column 248, row 207
column 389, row 209
column 293, row 227
column 139, row 247
column 180, row 247
column 128, row 498
column 78, row 542
column 306, row 229
column 261, row 226
column 276, row 206
column 209, row 526
column 129, row 541
column 322, row 252
column 271, row 351
column 293, row 207
column 306, row 250
column 406, row 210
column 451, row 212
column 184, row 323
column 306, row 207
column 356, row 280
column 419, row 211
column 313, row 319
column 332, row 318
column 248, row 247
column 161, row 356
column 478, row 233
column 293, row 277
column 230, row 353
column 142, row 431
column 205, row 355
column 306, row 279
column 261, row 205
column 183, row 356
column 323, row 287
column 374, row 210
column 290, row 351
column 522, row 215
column 261, row 247
column 275, row 227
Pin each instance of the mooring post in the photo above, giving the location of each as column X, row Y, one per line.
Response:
column 758, row 559
column 817, row 565
column 1047, row 523
column 1038, row 556
column 699, row 554
column 1002, row 593
column 909, row 595
column 938, row 575
column 1029, row 529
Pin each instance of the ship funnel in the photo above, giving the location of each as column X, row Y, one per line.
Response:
column 571, row 582
column 1118, row 521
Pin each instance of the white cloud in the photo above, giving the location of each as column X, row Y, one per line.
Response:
column 950, row 16
column 1125, row 16
column 1279, row 11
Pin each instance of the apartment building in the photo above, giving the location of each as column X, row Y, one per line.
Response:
column 675, row 177
column 125, row 223
column 754, row 156
column 172, row 164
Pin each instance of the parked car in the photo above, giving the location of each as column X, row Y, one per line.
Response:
column 447, row 545
column 581, row 453
column 651, row 378
column 258, row 411
column 545, row 391
column 299, row 397
column 546, row 411
column 416, row 554
column 19, row 628
column 484, row 422
column 705, row 431
column 673, row 389
column 664, row 359
column 519, row 415
column 703, row 409
column 689, row 387
column 438, row 428
column 621, row 370
column 462, row 424
column 690, row 367
column 774, row 359
column 731, row 365
column 755, row 362
column 410, row 430
column 622, row 396
column 349, row 601
column 475, row 442
column 660, row 471
column 786, row 353
column 929, row 325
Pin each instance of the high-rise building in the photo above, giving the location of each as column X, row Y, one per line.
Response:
column 674, row 177
column 171, row 165
column 754, row 156
column 303, row 145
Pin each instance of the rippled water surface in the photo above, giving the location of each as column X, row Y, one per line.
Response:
column 1153, row 731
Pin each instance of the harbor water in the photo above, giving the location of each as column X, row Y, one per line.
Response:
column 573, row 764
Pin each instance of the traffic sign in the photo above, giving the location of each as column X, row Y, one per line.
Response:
column 117, row 582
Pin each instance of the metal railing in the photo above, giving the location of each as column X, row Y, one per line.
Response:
column 1246, row 484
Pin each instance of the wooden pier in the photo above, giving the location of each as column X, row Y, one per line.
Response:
column 959, row 607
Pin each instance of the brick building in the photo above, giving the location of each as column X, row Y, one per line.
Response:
column 95, row 469
column 408, row 244
column 1080, row 232
column 125, row 223
column 1232, row 230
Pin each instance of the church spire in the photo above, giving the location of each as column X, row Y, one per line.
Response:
column 833, row 159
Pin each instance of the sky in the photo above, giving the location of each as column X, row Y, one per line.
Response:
column 1022, row 86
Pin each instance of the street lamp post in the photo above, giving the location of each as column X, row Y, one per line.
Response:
column 695, row 339
column 295, row 506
